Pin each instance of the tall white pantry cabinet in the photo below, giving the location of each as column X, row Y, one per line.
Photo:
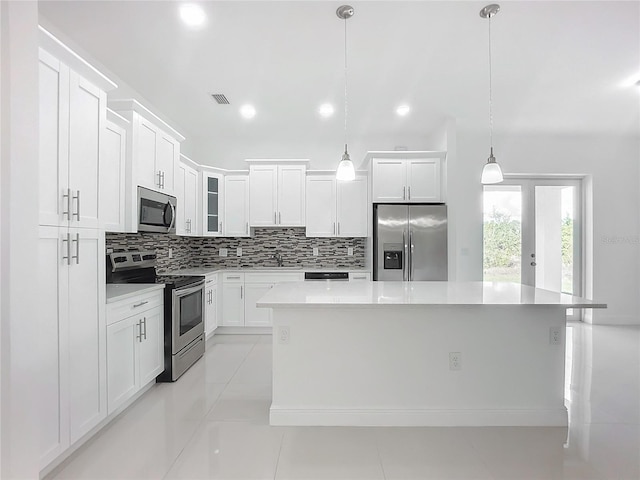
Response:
column 71, row 286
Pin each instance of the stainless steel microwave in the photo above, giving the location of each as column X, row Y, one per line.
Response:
column 156, row 211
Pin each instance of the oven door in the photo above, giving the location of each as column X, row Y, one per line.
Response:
column 188, row 308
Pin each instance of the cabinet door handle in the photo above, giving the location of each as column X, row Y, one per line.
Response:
column 275, row 218
column 279, row 218
column 67, row 257
column 77, row 255
column 67, row 212
column 140, row 304
column 409, row 190
column 404, row 193
column 139, row 334
column 77, row 199
column 231, row 277
column 247, row 228
column 240, row 291
column 338, row 228
column 144, row 319
column 220, row 227
column 159, row 179
column 334, row 228
column 162, row 179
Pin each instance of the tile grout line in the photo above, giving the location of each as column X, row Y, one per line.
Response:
column 384, row 474
column 275, row 473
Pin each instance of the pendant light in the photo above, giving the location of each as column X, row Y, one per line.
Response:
column 491, row 173
column 346, row 170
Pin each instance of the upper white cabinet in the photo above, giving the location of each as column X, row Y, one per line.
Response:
column 153, row 150
column 408, row 180
column 187, row 195
column 236, row 206
column 336, row 208
column 72, row 121
column 112, row 173
column 277, row 194
column 212, row 203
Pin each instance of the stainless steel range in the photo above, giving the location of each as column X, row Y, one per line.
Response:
column 183, row 308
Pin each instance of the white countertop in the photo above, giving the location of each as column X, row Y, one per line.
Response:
column 358, row 294
column 120, row 291
column 296, row 269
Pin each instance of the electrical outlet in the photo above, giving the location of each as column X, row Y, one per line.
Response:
column 315, row 251
column 223, row 252
column 350, row 251
column 239, row 252
column 455, row 361
column 555, row 335
column 283, row 335
column 170, row 252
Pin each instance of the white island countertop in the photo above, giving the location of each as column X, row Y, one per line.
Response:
column 380, row 294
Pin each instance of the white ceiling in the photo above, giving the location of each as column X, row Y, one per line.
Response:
column 558, row 68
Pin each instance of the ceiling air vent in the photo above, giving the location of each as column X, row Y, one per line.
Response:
column 220, row 98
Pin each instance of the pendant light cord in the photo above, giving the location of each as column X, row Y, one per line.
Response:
column 345, row 84
column 490, row 92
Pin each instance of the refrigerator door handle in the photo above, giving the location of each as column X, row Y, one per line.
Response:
column 405, row 272
column 410, row 255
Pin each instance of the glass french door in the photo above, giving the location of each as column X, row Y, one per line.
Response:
column 533, row 234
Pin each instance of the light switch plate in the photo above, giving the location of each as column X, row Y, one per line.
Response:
column 350, row 251
column 223, row 252
column 239, row 252
column 315, row 251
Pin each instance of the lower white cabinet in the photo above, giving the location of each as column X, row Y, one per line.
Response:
column 254, row 316
column 211, row 304
column 135, row 346
column 71, row 344
column 233, row 299
column 241, row 291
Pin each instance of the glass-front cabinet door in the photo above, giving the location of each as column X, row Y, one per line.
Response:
column 212, row 203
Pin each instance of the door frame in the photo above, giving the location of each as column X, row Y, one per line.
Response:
column 527, row 184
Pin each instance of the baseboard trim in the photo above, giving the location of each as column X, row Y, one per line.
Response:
column 419, row 417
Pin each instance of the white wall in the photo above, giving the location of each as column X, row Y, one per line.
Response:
column 612, row 163
column 18, row 254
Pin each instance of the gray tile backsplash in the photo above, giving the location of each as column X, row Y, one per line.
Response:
column 257, row 251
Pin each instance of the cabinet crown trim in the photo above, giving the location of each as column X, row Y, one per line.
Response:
column 401, row 155
column 55, row 47
column 276, row 161
column 132, row 105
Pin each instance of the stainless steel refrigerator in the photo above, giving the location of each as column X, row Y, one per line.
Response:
column 410, row 242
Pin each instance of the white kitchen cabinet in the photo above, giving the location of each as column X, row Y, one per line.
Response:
column 187, row 195
column 112, row 173
column 232, row 299
column 236, row 206
column 412, row 180
column 72, row 344
column 153, row 153
column 211, row 304
column 254, row 316
column 277, row 195
column 72, row 121
column 135, row 346
column 212, row 204
column 336, row 208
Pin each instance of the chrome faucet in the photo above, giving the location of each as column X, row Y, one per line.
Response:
column 278, row 259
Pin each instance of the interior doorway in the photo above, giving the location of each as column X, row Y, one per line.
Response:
column 533, row 234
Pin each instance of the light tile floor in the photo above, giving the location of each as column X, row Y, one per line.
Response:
column 213, row 424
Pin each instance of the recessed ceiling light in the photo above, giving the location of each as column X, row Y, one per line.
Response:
column 248, row 111
column 192, row 15
column 403, row 110
column 326, row 110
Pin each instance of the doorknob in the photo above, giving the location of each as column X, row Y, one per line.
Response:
column 533, row 255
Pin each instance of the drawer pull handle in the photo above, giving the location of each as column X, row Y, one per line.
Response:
column 140, row 304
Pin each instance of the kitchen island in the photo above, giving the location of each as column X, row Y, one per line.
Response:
column 418, row 353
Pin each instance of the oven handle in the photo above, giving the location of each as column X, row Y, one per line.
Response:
column 188, row 291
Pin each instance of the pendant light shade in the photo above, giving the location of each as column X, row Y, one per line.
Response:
column 346, row 171
column 491, row 173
